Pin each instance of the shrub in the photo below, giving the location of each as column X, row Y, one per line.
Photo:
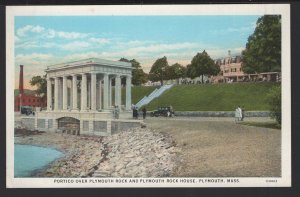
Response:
column 274, row 100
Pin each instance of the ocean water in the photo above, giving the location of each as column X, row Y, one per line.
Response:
column 29, row 158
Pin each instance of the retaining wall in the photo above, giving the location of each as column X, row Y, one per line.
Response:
column 221, row 113
column 216, row 113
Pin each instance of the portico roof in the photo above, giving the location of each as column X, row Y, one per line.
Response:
column 88, row 62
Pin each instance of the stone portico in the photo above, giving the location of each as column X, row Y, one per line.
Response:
column 79, row 97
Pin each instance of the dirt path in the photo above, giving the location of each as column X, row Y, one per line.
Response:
column 217, row 147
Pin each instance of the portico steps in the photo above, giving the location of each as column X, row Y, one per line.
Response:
column 156, row 93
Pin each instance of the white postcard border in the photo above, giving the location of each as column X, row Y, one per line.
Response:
column 151, row 10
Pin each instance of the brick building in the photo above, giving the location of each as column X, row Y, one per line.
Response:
column 27, row 100
column 231, row 71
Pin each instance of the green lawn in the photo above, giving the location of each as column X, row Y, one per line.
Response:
column 215, row 97
column 137, row 93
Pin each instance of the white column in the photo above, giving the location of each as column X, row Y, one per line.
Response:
column 83, row 93
column 128, row 92
column 70, row 94
column 74, row 93
column 49, row 95
column 105, row 91
column 60, row 94
column 100, row 95
column 110, row 93
column 88, row 94
column 65, row 93
column 93, row 91
column 118, row 91
column 56, row 81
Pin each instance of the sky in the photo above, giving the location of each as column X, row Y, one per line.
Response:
column 41, row 41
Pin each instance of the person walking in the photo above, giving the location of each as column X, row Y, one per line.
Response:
column 239, row 113
column 243, row 113
column 144, row 113
column 133, row 110
column 117, row 111
column 136, row 112
column 236, row 115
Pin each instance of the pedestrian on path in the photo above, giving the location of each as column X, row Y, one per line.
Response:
column 243, row 113
column 238, row 114
column 144, row 113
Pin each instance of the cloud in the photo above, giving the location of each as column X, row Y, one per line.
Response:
column 70, row 35
column 29, row 28
column 99, row 41
column 74, row 46
column 244, row 29
column 27, row 44
column 17, row 39
column 159, row 48
column 51, row 33
column 33, row 59
column 48, row 33
column 34, row 64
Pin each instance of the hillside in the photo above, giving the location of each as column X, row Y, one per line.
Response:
column 206, row 97
column 137, row 93
column 215, row 97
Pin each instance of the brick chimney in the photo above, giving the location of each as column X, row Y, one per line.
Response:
column 21, row 88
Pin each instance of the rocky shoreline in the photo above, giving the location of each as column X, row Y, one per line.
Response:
column 137, row 152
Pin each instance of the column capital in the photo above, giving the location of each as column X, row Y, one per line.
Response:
column 128, row 76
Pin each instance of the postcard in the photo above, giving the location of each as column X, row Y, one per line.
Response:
column 148, row 96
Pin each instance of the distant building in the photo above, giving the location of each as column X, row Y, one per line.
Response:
column 231, row 71
column 27, row 100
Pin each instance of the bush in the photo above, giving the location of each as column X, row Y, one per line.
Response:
column 274, row 100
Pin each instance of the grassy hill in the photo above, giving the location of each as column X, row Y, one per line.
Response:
column 215, row 97
column 137, row 93
column 206, row 97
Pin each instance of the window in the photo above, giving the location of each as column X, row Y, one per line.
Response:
column 233, row 70
column 33, row 100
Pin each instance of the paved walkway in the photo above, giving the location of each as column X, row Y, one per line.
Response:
column 218, row 147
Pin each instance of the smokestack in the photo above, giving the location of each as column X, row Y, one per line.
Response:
column 21, row 89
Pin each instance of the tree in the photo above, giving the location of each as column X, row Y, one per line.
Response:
column 158, row 70
column 274, row 100
column 138, row 75
column 41, row 84
column 175, row 71
column 263, row 49
column 201, row 65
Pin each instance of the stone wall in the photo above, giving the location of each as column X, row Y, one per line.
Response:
column 221, row 113
column 100, row 126
column 28, row 123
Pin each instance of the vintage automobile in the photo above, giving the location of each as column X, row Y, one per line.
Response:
column 27, row 110
column 163, row 111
